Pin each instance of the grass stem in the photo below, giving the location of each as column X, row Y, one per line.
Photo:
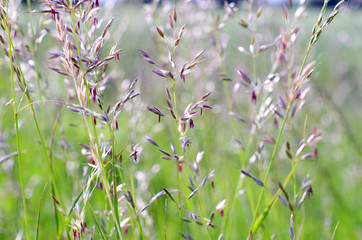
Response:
column 16, row 119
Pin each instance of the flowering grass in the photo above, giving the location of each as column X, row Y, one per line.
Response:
column 177, row 121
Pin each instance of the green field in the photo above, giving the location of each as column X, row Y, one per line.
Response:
column 63, row 160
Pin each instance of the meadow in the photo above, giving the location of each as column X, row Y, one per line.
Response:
column 180, row 121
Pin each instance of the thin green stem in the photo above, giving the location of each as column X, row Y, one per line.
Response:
column 310, row 44
column 270, row 164
column 176, row 121
column 256, row 223
column 254, row 68
column 115, row 193
column 164, row 221
column 179, row 197
column 174, row 97
column 18, row 144
column 27, row 94
column 122, row 177
column 335, row 230
column 272, row 202
column 139, row 225
column 99, row 228
column 38, row 220
column 295, row 182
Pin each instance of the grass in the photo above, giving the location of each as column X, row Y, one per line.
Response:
column 107, row 172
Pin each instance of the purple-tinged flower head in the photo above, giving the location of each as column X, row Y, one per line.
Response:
column 156, row 111
column 244, row 76
column 284, row 105
column 285, row 11
column 192, row 215
column 116, row 56
column 275, row 122
column 220, row 207
column 284, row 45
column 185, row 144
column 291, row 229
column 253, row 97
column 160, row 32
column 53, row 13
column 152, row 141
column 144, row 53
column 170, row 21
column 203, row 107
column 298, row 95
column 191, row 123
column 282, row 58
column 292, row 112
column 93, row 94
column 256, row 180
column 315, row 153
column 310, row 191
column 183, row 78
column 182, row 127
column 174, row 14
column 135, row 156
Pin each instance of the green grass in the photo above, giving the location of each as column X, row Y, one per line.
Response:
column 333, row 106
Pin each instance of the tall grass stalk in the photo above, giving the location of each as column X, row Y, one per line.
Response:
column 39, row 213
column 104, row 173
column 7, row 22
column 15, row 64
column 269, row 168
column 317, row 30
column 42, row 142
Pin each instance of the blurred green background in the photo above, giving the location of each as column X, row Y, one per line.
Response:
column 334, row 106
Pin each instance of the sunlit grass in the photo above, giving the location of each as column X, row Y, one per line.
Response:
column 332, row 106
